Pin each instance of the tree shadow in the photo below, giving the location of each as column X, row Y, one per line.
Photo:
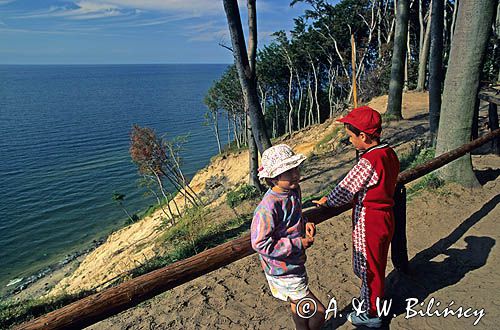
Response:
column 428, row 276
column 419, row 117
column 485, row 176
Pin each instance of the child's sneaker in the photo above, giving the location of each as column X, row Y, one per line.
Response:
column 364, row 319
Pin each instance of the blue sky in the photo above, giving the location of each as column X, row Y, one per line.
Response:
column 127, row 31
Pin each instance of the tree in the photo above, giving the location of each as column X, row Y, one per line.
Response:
column 473, row 26
column 436, row 66
column 398, row 61
column 424, row 48
column 246, row 73
column 159, row 160
column 212, row 115
column 253, row 156
column 119, row 198
column 225, row 95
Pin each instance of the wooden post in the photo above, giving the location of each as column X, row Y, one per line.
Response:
column 111, row 301
column 492, row 96
column 354, row 89
column 353, row 65
column 399, row 249
column 493, row 123
column 475, row 120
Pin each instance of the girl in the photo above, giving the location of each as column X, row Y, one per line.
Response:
column 280, row 235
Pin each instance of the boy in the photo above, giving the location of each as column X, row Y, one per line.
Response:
column 370, row 184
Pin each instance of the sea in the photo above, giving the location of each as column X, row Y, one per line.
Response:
column 64, row 151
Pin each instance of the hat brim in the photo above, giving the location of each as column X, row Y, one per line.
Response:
column 290, row 163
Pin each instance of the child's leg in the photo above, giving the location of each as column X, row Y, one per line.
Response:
column 318, row 319
column 300, row 322
column 315, row 321
column 379, row 229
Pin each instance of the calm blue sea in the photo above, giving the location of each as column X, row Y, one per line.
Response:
column 64, row 139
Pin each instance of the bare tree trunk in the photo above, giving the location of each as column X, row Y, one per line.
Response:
column 393, row 22
column 290, row 101
column 167, row 202
column 435, row 67
column 472, row 31
column 246, row 73
column 330, row 88
column 453, row 20
column 424, row 54
column 497, row 31
column 253, row 178
column 310, row 116
column 216, row 130
column 263, row 98
column 445, row 24
column 253, row 161
column 379, row 28
column 316, row 91
column 299, row 107
column 407, row 61
column 398, row 60
column 228, row 129
column 421, row 25
column 235, row 131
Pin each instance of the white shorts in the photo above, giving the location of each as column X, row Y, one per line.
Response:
column 288, row 288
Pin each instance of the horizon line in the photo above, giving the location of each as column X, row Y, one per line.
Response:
column 116, row 63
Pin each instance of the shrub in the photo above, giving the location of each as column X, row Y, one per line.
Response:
column 241, row 193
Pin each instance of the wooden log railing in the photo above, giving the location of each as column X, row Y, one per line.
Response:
column 111, row 301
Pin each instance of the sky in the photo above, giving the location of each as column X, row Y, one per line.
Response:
column 128, row 31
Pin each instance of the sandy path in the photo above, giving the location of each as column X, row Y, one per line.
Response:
column 452, row 234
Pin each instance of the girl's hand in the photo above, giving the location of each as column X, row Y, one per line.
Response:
column 310, row 229
column 321, row 202
column 307, row 241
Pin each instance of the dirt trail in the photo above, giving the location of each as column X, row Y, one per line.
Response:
column 452, row 235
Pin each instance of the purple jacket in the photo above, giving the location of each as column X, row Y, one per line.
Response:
column 277, row 228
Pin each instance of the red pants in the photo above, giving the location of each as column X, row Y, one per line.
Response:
column 371, row 237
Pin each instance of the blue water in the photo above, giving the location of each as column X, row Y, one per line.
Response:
column 64, row 139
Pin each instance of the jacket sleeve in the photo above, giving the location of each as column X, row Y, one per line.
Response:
column 361, row 176
column 267, row 244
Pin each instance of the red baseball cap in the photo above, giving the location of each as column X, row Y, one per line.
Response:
column 365, row 119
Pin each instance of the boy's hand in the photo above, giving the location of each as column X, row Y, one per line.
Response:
column 310, row 229
column 321, row 202
column 307, row 242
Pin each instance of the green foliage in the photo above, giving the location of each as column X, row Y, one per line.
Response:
column 15, row 312
column 418, row 154
column 387, row 117
column 194, row 234
column 150, row 210
column 327, row 138
column 232, row 148
column 241, row 193
column 430, row 181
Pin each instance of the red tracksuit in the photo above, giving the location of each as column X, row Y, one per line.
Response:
column 370, row 184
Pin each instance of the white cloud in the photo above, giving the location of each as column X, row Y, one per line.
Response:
column 197, row 7
column 81, row 10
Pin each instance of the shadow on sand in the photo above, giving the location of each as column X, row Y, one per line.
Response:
column 428, row 276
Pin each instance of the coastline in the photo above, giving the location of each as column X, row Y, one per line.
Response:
column 42, row 281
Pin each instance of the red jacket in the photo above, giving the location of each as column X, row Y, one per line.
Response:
column 374, row 177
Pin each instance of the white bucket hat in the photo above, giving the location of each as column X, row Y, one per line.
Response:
column 279, row 159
